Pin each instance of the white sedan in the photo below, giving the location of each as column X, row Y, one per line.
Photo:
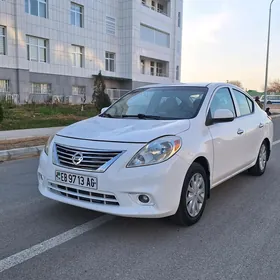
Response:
column 157, row 151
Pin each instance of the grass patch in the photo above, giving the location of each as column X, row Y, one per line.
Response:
column 38, row 116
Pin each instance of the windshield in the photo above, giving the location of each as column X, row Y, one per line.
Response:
column 159, row 103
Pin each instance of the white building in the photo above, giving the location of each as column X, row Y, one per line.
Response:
column 59, row 46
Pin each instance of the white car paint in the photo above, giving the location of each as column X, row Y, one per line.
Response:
column 226, row 152
column 123, row 130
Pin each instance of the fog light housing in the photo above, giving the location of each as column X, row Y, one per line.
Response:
column 40, row 177
column 144, row 198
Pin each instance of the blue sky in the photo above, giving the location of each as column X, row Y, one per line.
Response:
column 226, row 40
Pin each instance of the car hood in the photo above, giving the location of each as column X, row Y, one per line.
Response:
column 123, row 130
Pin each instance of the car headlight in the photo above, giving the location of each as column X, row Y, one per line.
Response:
column 46, row 149
column 156, row 151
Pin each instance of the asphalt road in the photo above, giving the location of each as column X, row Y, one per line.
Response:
column 237, row 238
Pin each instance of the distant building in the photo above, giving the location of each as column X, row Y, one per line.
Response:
column 50, row 47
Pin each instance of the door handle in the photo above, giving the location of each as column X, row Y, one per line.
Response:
column 261, row 125
column 240, row 131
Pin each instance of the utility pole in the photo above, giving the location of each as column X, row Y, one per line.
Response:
column 267, row 55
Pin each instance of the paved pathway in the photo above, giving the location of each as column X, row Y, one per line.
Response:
column 28, row 133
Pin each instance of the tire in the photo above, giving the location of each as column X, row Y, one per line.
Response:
column 259, row 168
column 186, row 215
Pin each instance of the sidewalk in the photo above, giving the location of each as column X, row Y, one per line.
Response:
column 28, row 133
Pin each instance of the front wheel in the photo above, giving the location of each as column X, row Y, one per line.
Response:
column 259, row 168
column 193, row 197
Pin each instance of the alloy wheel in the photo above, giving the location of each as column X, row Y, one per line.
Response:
column 195, row 195
column 262, row 157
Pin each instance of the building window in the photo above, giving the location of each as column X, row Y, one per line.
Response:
column 78, row 90
column 36, row 8
column 177, row 73
column 110, row 25
column 2, row 40
column 4, row 86
column 152, row 68
column 159, row 69
column 77, row 56
column 37, row 49
column 142, row 66
column 40, row 88
column 160, row 8
column 151, row 35
column 77, row 14
column 110, row 61
column 179, row 19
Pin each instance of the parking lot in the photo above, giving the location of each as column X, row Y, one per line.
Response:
column 237, row 237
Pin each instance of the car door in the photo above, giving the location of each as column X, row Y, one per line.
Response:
column 227, row 138
column 252, row 125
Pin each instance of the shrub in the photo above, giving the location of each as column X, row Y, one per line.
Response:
column 99, row 97
column 1, row 113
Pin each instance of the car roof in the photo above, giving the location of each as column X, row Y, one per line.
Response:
column 187, row 84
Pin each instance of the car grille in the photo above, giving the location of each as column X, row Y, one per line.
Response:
column 93, row 160
column 84, row 195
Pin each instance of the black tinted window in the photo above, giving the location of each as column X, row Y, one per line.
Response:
column 222, row 100
column 244, row 103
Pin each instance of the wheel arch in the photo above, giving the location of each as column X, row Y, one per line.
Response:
column 267, row 142
column 205, row 164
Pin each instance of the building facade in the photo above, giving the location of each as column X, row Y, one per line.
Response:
column 57, row 47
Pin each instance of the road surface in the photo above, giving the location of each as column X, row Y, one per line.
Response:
column 237, row 238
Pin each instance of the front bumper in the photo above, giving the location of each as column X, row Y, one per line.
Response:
column 119, row 187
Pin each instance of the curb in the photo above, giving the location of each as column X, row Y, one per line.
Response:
column 275, row 116
column 20, row 153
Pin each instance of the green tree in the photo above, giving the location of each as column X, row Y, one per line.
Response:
column 99, row 96
column 1, row 113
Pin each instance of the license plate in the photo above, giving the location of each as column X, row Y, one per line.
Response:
column 76, row 180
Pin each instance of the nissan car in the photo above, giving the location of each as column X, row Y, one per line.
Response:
column 157, row 151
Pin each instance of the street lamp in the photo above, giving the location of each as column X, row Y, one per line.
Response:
column 267, row 55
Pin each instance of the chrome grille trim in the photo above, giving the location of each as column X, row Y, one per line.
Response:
column 85, row 195
column 93, row 160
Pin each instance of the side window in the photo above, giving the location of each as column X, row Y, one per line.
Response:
column 244, row 103
column 222, row 100
column 251, row 104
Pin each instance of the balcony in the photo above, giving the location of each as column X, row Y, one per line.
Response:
column 160, row 6
column 154, row 67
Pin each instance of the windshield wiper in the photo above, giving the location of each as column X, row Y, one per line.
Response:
column 142, row 116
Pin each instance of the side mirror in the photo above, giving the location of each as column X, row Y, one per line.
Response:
column 223, row 115
column 104, row 109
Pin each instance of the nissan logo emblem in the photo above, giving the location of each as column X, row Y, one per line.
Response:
column 77, row 158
